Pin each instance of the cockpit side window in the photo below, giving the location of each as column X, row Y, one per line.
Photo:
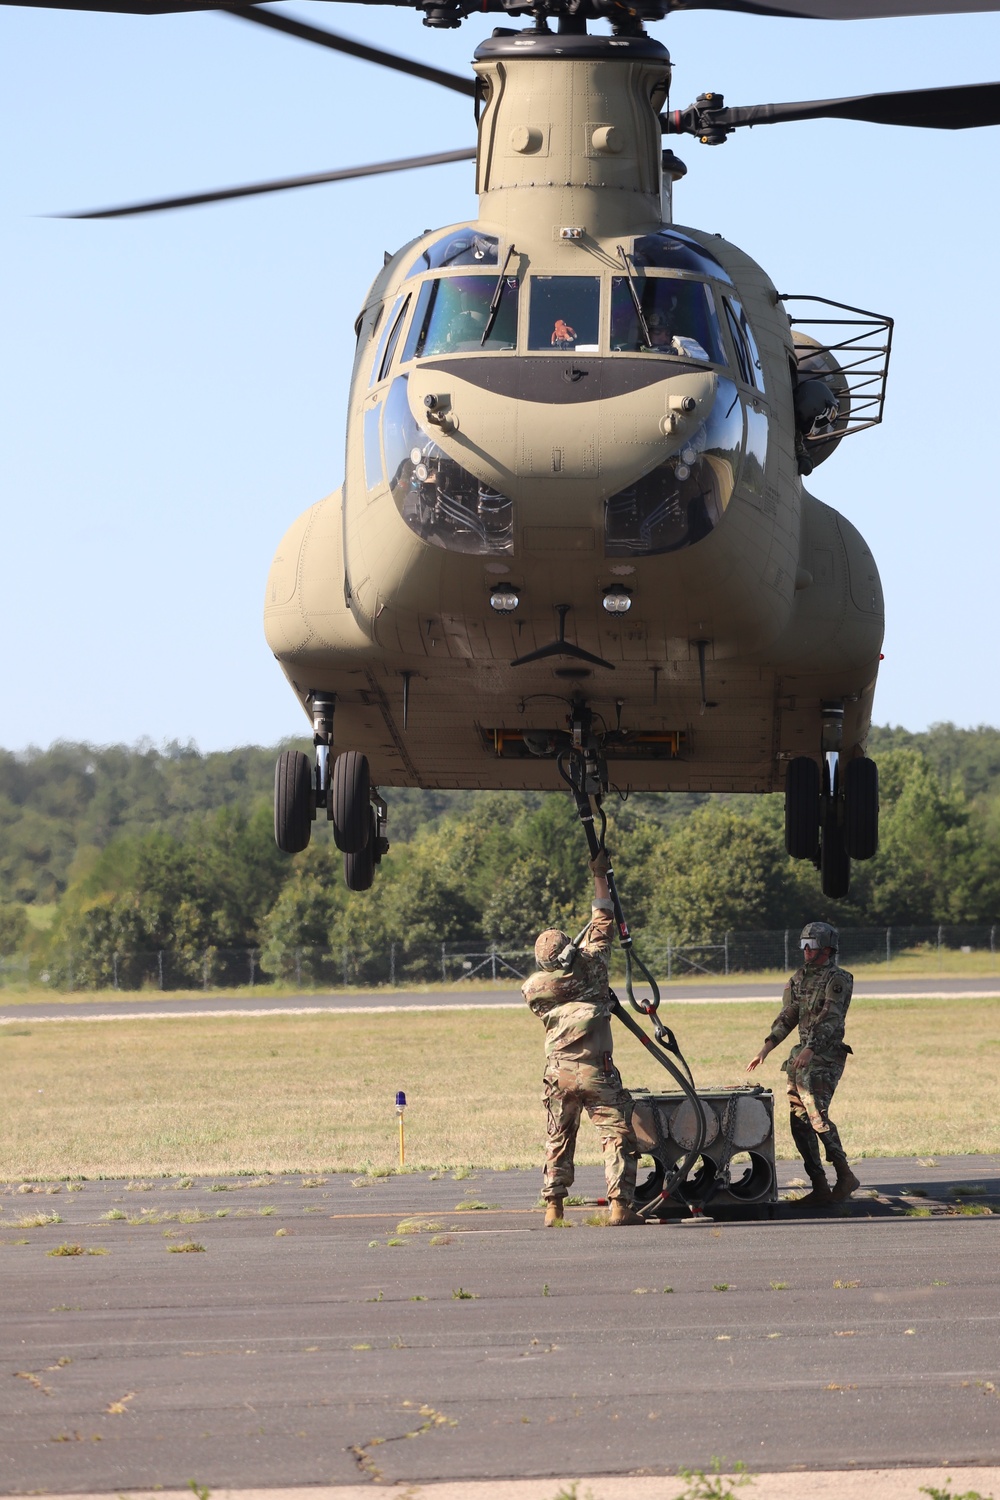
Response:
column 679, row 318
column 463, row 247
column 747, row 353
column 389, row 325
column 565, row 313
column 453, row 314
column 390, row 348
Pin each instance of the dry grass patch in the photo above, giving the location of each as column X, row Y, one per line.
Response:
column 210, row 1097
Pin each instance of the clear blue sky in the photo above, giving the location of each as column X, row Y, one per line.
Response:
column 172, row 390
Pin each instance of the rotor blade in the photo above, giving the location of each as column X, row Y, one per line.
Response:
column 961, row 108
column 839, row 10
column 278, row 185
column 124, row 7
column 262, row 17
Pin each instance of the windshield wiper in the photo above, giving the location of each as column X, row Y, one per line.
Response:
column 497, row 299
column 635, row 298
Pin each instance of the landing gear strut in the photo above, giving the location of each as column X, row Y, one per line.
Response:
column 831, row 810
column 342, row 787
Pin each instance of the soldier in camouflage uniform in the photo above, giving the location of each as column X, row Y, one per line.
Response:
column 573, row 1001
column 816, row 1000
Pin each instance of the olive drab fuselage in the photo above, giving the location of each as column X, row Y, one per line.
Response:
column 567, row 397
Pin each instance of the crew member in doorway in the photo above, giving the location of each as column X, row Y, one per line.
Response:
column 569, row 993
column 816, row 999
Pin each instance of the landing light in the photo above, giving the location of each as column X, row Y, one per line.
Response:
column 504, row 600
column 617, row 601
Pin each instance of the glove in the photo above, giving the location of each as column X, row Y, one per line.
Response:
column 601, row 862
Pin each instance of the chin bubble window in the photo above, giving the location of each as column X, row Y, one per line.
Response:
column 672, row 317
column 437, row 498
column 685, row 497
column 457, row 315
column 565, row 314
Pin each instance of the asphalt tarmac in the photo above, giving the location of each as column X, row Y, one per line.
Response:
column 106, row 1007
column 314, row 1341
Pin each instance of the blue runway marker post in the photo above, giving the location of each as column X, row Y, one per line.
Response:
column 400, row 1106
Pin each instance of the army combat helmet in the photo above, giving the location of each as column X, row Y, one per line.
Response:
column 549, row 945
column 819, row 935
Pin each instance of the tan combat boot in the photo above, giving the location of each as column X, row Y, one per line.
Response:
column 623, row 1213
column 819, row 1197
column 845, row 1184
column 553, row 1213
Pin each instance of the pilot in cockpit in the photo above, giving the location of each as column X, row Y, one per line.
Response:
column 467, row 324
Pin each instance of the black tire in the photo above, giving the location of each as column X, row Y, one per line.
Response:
column 350, row 804
column 834, row 861
column 294, row 803
column 359, row 868
column 861, row 809
column 802, row 808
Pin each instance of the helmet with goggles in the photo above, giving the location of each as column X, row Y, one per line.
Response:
column 819, row 935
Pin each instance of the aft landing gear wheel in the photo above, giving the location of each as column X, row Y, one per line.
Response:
column 350, row 804
column 861, row 808
column 802, row 808
column 834, row 861
column 359, row 868
column 294, row 802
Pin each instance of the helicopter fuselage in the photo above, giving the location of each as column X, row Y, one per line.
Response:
column 573, row 473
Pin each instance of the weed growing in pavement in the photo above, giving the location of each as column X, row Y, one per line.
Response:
column 441, row 1239
column 720, row 1286
column 715, row 1485
column 845, row 1286
column 461, row 1295
column 37, row 1221
column 471, row 1205
column 201, row 1491
column 946, row 1494
column 189, row 1247
column 779, row 1286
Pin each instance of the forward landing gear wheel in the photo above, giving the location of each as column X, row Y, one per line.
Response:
column 359, row 868
column 350, row 804
column 834, row 861
column 861, row 809
column 802, row 808
column 294, row 804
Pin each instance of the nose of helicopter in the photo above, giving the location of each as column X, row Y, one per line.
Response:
column 553, row 434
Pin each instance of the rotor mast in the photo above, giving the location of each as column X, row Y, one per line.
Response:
column 569, row 135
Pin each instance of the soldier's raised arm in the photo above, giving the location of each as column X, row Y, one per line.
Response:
column 602, row 928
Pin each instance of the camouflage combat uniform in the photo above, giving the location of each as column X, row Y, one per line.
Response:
column 579, row 1070
column 816, row 999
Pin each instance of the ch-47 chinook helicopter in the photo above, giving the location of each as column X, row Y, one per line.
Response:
column 574, row 527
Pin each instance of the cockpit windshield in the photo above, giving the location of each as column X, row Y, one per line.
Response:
column 679, row 318
column 453, row 314
column 463, row 247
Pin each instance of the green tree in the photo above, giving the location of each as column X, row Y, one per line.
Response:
column 721, row 872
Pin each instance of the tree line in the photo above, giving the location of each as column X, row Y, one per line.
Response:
column 171, row 850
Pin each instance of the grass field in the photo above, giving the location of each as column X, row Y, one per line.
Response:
column 316, row 1093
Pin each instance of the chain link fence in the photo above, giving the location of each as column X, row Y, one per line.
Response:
column 400, row 963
